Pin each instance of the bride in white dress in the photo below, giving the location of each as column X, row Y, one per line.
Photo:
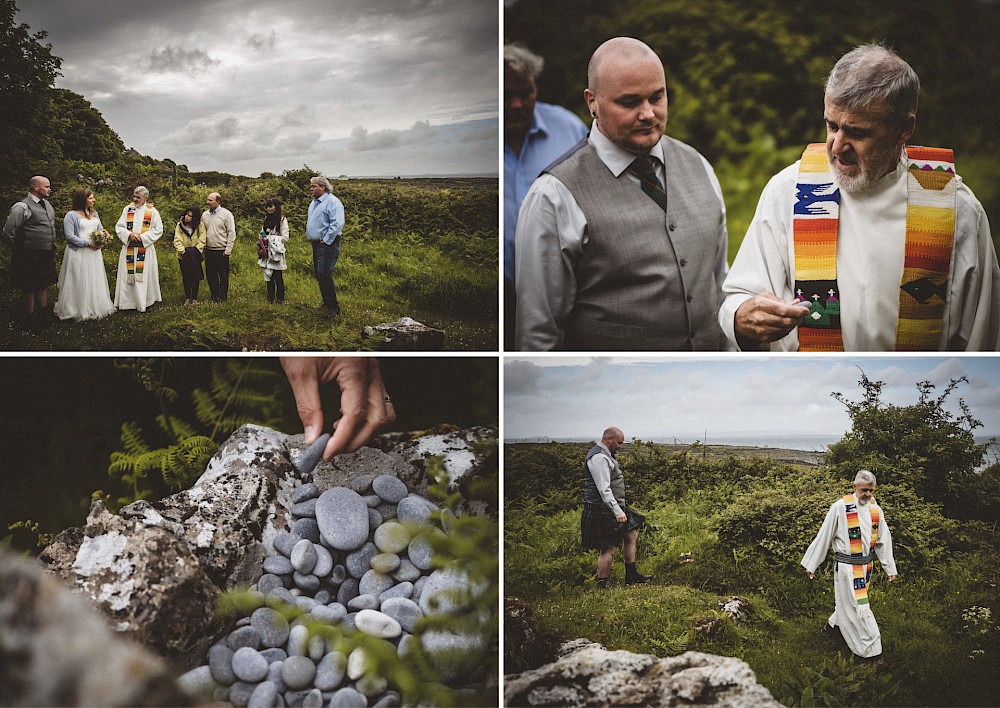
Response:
column 83, row 282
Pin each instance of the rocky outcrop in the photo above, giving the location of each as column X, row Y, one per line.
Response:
column 586, row 674
column 405, row 335
column 48, row 637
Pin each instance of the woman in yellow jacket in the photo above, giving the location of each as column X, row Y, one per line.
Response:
column 189, row 241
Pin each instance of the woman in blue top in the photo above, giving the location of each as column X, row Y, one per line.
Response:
column 83, row 282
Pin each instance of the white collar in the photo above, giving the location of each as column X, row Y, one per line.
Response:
column 618, row 159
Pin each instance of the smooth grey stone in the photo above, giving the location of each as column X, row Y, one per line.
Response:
column 272, row 625
column 268, row 582
column 451, row 652
column 407, row 572
column 348, row 697
column 244, row 637
column 372, row 500
column 348, row 591
column 307, row 528
column 375, row 583
column 240, row 692
column 363, row 602
column 298, row 672
column 305, row 491
column 377, row 624
column 324, row 561
column 331, row 613
column 317, row 647
column 263, row 696
column 401, row 590
column 277, row 565
column 415, row 509
column 418, row 588
column 314, row 699
column 242, row 622
column 298, row 641
column 359, row 562
column 198, row 682
column 305, row 509
column 404, row 610
column 221, row 694
column 420, row 552
column 362, row 484
column 330, row 671
column 385, row 563
column 284, row 542
column 371, row 686
column 349, row 619
column 249, row 665
column 391, row 537
column 220, row 663
column 436, row 596
column 303, row 558
column 323, row 596
column 387, row 510
column 338, row 574
column 406, row 645
column 278, row 597
column 313, row 454
column 389, row 488
column 389, row 699
column 374, row 519
column 306, row 583
column 274, row 675
column 274, row 655
column 306, row 602
column 294, row 699
column 254, row 600
column 342, row 516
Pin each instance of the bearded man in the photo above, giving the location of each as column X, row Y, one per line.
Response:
column 866, row 244
column 856, row 529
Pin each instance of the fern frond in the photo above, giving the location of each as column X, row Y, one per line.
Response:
column 132, row 439
column 171, row 424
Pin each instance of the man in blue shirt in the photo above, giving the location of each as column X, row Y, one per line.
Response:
column 323, row 229
column 535, row 134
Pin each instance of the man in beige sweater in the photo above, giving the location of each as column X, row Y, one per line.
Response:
column 220, row 229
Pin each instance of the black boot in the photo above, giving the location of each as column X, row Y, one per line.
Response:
column 602, row 583
column 634, row 577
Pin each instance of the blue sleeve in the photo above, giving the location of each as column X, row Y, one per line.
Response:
column 71, row 225
column 336, row 213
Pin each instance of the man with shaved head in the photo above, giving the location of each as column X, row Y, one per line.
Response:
column 30, row 231
column 621, row 243
column 607, row 521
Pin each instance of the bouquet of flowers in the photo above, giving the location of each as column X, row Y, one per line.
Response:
column 102, row 238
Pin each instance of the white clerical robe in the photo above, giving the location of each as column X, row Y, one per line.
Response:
column 859, row 628
column 871, row 240
column 140, row 294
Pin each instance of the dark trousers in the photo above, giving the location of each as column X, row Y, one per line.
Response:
column 276, row 283
column 324, row 260
column 509, row 313
column 217, row 273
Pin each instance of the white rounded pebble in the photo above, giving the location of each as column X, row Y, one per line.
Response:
column 377, row 624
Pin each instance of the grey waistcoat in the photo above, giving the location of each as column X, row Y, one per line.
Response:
column 645, row 279
column 590, row 491
column 38, row 233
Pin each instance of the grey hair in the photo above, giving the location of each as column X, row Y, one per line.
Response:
column 873, row 77
column 322, row 182
column 141, row 190
column 864, row 477
column 522, row 61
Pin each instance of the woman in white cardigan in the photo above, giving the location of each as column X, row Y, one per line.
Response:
column 274, row 234
column 83, row 282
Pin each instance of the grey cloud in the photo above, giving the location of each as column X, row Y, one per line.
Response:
column 179, row 59
column 262, row 42
column 522, row 377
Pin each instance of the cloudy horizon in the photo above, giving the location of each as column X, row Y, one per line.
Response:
column 374, row 88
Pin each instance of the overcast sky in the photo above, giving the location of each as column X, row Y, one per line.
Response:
column 776, row 395
column 356, row 87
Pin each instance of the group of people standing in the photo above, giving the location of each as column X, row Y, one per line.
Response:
column 203, row 242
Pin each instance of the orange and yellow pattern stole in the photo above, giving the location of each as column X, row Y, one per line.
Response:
column 135, row 256
column 931, row 190
column 862, row 571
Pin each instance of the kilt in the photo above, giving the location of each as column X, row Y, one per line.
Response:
column 599, row 530
column 32, row 269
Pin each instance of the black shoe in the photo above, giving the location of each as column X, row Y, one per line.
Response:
column 602, row 583
column 638, row 579
column 331, row 312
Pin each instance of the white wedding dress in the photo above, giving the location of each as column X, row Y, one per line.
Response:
column 83, row 282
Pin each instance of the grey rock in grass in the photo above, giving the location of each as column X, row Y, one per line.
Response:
column 249, row 665
column 313, row 454
column 342, row 516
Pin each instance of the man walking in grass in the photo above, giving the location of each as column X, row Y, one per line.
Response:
column 856, row 529
column 607, row 520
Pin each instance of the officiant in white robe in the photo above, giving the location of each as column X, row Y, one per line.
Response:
column 854, row 618
column 138, row 283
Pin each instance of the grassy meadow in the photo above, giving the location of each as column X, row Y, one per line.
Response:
column 720, row 526
column 421, row 248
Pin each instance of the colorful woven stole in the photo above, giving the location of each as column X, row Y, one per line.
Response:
column 931, row 190
column 135, row 256
column 862, row 573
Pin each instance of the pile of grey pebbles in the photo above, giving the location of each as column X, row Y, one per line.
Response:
column 355, row 557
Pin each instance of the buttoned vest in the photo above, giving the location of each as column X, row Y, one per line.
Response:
column 38, row 233
column 590, row 493
column 645, row 278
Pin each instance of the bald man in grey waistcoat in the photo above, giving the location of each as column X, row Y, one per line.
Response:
column 30, row 231
column 621, row 243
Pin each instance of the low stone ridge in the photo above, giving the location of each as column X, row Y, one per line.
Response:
column 48, row 636
column 406, row 335
column 587, row 674
column 156, row 569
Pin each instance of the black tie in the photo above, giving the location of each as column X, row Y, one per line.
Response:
column 644, row 168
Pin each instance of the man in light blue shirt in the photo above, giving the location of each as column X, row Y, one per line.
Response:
column 535, row 134
column 323, row 229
